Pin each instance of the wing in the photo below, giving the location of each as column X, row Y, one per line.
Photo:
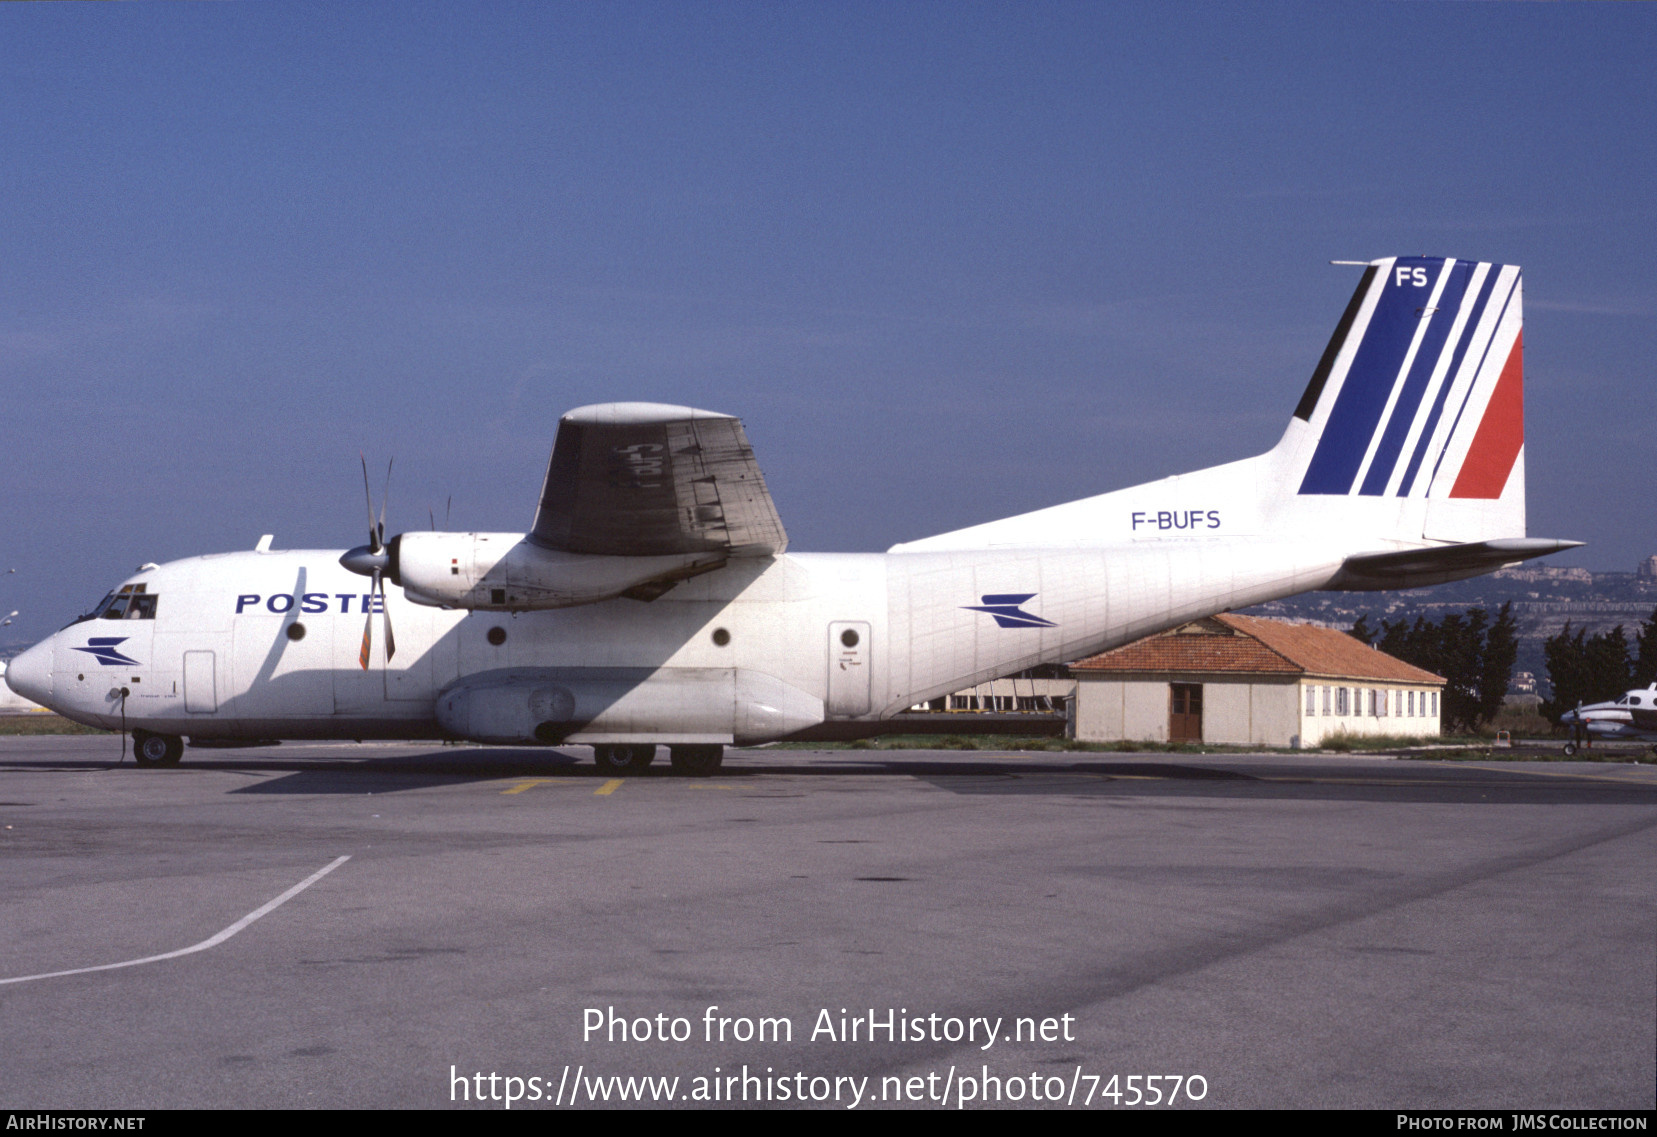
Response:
column 644, row 479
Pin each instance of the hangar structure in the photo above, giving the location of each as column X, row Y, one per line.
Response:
column 1246, row 680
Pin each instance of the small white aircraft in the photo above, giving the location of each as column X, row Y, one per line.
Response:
column 654, row 601
column 1632, row 718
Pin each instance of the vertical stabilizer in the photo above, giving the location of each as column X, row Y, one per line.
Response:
column 1421, row 391
column 1419, row 397
column 1411, row 432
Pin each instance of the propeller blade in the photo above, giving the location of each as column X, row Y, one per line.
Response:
column 385, row 611
column 386, row 496
column 367, row 641
column 367, row 649
column 368, row 496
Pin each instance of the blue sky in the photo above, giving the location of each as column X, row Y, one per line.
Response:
column 948, row 261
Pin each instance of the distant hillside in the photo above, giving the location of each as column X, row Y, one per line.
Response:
column 1544, row 599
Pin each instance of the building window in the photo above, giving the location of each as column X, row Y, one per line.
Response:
column 1325, row 691
column 1311, row 700
column 1435, row 704
column 1411, row 703
column 1340, row 701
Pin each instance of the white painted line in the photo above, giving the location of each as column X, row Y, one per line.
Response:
column 211, row 942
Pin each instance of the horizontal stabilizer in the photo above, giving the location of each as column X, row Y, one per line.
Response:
column 1417, row 568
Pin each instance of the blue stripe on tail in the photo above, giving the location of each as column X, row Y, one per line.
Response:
column 1363, row 394
column 1439, row 322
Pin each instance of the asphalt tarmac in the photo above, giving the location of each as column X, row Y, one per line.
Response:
column 860, row 929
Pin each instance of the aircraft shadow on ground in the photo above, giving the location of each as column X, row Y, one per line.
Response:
column 991, row 775
column 1014, row 775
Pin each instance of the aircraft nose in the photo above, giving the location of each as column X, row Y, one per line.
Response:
column 30, row 674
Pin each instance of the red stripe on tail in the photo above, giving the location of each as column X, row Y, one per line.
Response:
column 1502, row 433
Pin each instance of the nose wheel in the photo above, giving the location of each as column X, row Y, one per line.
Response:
column 156, row 749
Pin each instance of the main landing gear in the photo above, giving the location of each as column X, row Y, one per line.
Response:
column 622, row 759
column 156, row 749
column 696, row 761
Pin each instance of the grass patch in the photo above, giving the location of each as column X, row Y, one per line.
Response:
column 1343, row 743
column 35, row 723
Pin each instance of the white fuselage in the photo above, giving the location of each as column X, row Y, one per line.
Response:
column 759, row 649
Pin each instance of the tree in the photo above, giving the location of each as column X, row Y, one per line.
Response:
column 1645, row 645
column 1501, row 652
column 1475, row 657
column 1586, row 669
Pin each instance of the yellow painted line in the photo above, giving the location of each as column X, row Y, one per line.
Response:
column 531, row 784
column 608, row 787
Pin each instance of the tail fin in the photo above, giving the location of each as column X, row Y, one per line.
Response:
column 1420, row 393
column 1411, row 432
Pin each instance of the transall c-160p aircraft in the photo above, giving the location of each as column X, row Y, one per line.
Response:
column 654, row 602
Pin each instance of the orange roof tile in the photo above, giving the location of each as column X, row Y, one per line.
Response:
column 1233, row 644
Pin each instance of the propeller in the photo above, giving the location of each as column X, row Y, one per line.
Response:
column 373, row 560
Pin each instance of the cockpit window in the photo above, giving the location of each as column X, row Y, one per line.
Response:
column 1633, row 700
column 131, row 602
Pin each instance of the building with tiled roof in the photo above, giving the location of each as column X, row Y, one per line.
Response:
column 1232, row 679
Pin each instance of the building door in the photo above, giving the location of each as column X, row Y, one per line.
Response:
column 1185, row 712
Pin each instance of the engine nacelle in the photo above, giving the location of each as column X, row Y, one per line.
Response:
column 508, row 572
column 678, row 705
